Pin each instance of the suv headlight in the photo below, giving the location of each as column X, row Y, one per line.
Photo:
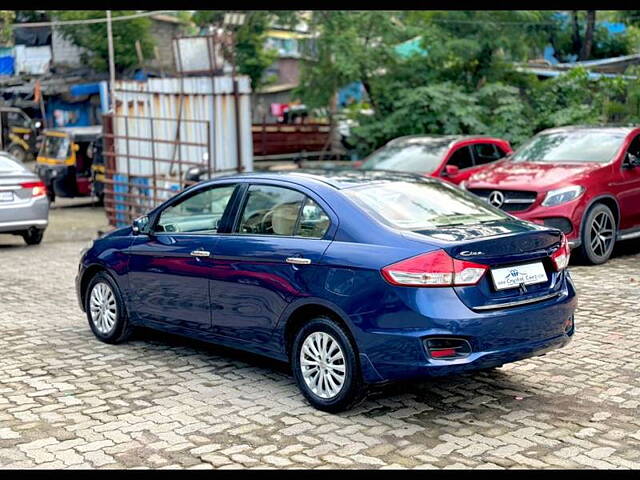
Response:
column 562, row 195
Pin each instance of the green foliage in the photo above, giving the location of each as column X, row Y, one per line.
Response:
column 442, row 108
column 352, row 46
column 466, row 83
column 6, row 19
column 93, row 37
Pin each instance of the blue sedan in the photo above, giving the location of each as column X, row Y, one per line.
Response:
column 355, row 278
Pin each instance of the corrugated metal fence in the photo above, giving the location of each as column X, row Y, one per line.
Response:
column 163, row 127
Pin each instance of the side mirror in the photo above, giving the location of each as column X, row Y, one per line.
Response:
column 76, row 147
column 632, row 161
column 140, row 225
column 451, row 170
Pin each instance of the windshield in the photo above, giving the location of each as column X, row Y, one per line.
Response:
column 8, row 165
column 420, row 206
column 407, row 158
column 576, row 146
column 56, row 147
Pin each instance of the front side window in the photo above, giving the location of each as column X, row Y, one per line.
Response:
column 420, row 206
column 200, row 213
column 461, row 158
column 571, row 146
column 271, row 210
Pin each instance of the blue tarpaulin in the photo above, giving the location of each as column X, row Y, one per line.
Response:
column 7, row 65
column 85, row 89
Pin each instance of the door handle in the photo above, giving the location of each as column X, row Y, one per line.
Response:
column 298, row 260
column 200, row 253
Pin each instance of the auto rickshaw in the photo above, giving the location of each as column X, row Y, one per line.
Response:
column 19, row 134
column 66, row 159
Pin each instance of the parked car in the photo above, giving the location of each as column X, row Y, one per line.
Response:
column 584, row 181
column 355, row 278
column 24, row 207
column 451, row 157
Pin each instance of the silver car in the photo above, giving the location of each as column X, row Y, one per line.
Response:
column 24, row 206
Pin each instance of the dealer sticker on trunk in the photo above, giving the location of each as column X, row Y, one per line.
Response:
column 513, row 277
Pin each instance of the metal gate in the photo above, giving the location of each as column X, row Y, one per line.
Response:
column 164, row 127
column 147, row 170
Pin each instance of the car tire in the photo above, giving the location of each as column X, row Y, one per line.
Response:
column 598, row 235
column 338, row 382
column 33, row 236
column 106, row 313
column 18, row 152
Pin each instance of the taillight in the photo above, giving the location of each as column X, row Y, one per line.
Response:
column 37, row 188
column 561, row 256
column 434, row 269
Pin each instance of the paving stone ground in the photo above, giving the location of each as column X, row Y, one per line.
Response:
column 158, row 401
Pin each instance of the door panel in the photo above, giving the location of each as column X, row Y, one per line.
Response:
column 252, row 283
column 167, row 283
column 273, row 257
column 170, row 270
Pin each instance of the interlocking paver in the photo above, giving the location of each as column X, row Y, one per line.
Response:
column 69, row 401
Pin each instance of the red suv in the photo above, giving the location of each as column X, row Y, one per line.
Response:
column 451, row 157
column 584, row 181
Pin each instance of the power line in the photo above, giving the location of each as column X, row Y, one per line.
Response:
column 90, row 20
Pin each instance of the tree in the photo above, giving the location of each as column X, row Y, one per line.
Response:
column 585, row 51
column 93, row 37
column 252, row 58
column 6, row 19
column 351, row 46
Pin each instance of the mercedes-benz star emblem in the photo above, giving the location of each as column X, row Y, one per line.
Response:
column 496, row 198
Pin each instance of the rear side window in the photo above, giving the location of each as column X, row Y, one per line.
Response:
column 314, row 222
column 421, row 206
column 271, row 210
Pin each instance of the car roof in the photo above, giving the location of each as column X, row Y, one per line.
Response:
column 434, row 139
column 338, row 179
column 592, row 128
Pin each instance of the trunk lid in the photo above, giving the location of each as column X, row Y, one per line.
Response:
column 499, row 245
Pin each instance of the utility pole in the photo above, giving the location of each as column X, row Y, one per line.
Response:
column 112, row 71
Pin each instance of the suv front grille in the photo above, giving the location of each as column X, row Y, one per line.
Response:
column 507, row 200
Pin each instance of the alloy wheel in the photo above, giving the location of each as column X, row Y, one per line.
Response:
column 103, row 308
column 601, row 234
column 322, row 364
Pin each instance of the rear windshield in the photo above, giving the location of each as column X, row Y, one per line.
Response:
column 407, row 157
column 8, row 165
column 421, row 206
column 576, row 146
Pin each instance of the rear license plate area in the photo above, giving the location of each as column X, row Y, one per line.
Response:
column 515, row 276
column 6, row 196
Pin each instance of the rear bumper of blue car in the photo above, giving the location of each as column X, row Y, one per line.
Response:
column 495, row 338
